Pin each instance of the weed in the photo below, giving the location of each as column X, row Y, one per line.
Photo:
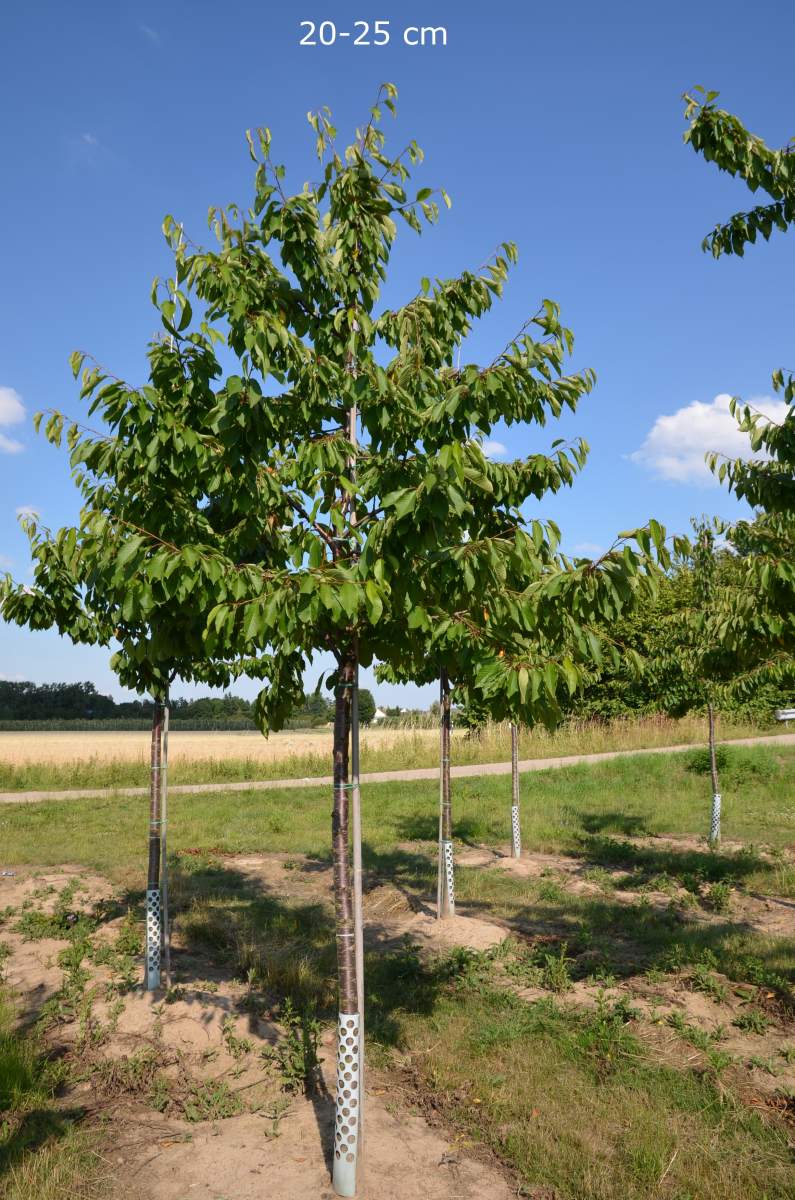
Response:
column 700, row 1038
column 601, row 877
column 211, row 1101
column 719, row 1060
column 699, row 762
column 555, row 969
column 296, row 1055
column 604, row 1037
column 753, row 1020
column 702, row 980
column 602, row 976
column 551, row 892
column 763, row 1064
column 718, row 897
column 238, row 1047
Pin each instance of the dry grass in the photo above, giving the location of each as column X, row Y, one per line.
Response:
column 102, row 759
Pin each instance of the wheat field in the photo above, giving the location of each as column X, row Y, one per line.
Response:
column 59, row 748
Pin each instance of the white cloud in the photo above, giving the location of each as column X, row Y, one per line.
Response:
column 588, row 550
column 150, row 33
column 494, row 449
column 89, row 139
column 12, row 412
column 6, row 563
column 26, row 510
column 675, row 446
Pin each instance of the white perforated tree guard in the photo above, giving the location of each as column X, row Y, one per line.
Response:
column 516, row 831
column 348, row 1105
column 154, row 937
column 449, row 875
column 714, row 825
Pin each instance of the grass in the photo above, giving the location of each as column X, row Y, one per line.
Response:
column 404, row 750
column 45, row 1153
column 511, row 1074
column 588, row 811
column 520, row 1077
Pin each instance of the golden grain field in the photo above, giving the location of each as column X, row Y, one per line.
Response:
column 60, row 748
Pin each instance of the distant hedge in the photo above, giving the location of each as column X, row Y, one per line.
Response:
column 126, row 725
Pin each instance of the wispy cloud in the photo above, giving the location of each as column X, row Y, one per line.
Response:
column 151, row 34
column 27, row 510
column 588, row 550
column 6, row 563
column 494, row 449
column 89, row 139
column 12, row 412
column 675, row 446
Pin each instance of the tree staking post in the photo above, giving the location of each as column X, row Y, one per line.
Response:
column 164, row 842
column 446, row 888
column 516, row 834
column 714, row 822
column 154, row 905
column 348, row 1097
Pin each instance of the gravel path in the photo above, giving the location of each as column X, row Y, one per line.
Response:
column 463, row 772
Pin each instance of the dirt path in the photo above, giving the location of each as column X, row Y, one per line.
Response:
column 462, row 772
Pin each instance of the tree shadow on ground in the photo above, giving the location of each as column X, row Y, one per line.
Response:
column 686, row 865
column 424, row 827
column 626, row 940
column 32, row 1131
column 626, row 824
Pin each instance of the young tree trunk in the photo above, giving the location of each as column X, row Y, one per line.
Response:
column 154, row 915
column 358, row 913
column 446, row 888
column 516, row 833
column 714, row 825
column 164, row 844
column 348, row 1098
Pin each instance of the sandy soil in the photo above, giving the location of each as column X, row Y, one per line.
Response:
column 279, row 1145
column 281, row 1148
column 69, row 747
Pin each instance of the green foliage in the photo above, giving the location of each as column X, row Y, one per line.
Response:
column 698, row 761
column 760, row 611
column 325, row 486
column 366, row 706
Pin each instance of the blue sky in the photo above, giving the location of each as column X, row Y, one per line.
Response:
column 558, row 129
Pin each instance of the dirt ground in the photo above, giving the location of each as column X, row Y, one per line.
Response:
column 69, row 746
column 251, row 1139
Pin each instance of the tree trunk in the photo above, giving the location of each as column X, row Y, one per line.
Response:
column 358, row 914
column 164, row 844
column 714, row 825
column 348, row 1098
column 154, row 926
column 516, row 838
column 446, row 889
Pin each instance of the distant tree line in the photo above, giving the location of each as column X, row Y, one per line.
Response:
column 26, row 701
